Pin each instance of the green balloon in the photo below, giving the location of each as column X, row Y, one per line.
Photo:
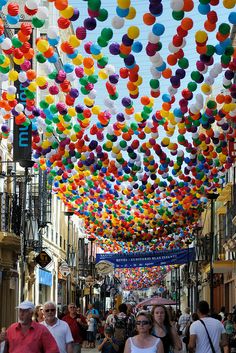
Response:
column 37, row 23
column 123, row 144
column 53, row 109
column 103, row 61
column 4, row 70
column 53, row 75
column 83, row 81
column 107, row 33
column 178, row 15
column 84, row 91
column 229, row 50
column 94, row 5
column 55, row 144
column 93, row 78
column 211, row 104
column 103, row 15
column 114, row 96
column 195, row 75
column 2, row 59
column 16, row 42
column 183, row 63
column 225, row 59
column 224, row 28
column 210, row 50
column 43, row 104
column 192, row 86
column 30, row 95
column 102, row 42
column 40, row 58
column 154, row 83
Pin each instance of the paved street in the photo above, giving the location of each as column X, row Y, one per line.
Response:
column 89, row 350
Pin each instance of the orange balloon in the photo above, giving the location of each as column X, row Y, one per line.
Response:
column 145, row 100
column 220, row 37
column 49, row 52
column 149, row 19
column 22, row 37
column 131, row 86
column 187, row 23
column 30, row 54
column 220, row 98
column 209, row 27
column 124, row 49
column 61, row 4
column 171, row 59
column 188, row 5
column 167, row 73
column 201, row 50
column 88, row 63
column 31, row 75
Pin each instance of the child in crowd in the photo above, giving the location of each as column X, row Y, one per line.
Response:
column 91, row 331
column 108, row 343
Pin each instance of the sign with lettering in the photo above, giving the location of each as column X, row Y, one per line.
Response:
column 148, row 259
column 104, row 267
column 43, row 259
column 64, row 269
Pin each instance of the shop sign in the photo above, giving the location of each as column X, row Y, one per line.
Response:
column 64, row 269
column 43, row 259
column 104, row 267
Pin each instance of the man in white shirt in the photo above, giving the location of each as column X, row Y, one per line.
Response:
column 199, row 341
column 59, row 329
column 184, row 320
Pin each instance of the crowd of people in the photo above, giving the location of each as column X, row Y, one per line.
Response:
column 41, row 329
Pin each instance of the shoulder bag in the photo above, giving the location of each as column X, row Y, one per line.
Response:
column 210, row 341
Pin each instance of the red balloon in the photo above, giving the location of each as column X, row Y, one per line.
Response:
column 13, row 9
column 63, row 23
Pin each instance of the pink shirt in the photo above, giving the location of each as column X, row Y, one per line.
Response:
column 37, row 339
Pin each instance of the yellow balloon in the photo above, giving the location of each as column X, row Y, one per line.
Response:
column 206, row 89
column 229, row 4
column 68, row 12
column 10, row 97
column 132, row 13
column 42, row 45
column 89, row 71
column 109, row 144
column 88, row 102
column 139, row 81
column 74, row 41
column 71, row 111
column 147, row 130
column 201, row 36
column 49, row 99
column 13, row 75
column 19, row 61
column 102, row 74
column 138, row 117
column 78, row 60
column 73, row 138
column 165, row 141
column 41, row 81
column 123, row 4
column 6, row 62
column 133, row 32
column 115, row 149
column 98, row 56
column 32, row 87
column 96, row 109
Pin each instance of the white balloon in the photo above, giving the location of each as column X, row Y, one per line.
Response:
column 108, row 102
column 47, row 67
column 193, row 109
column 110, row 69
column 117, row 22
column 152, row 38
column 6, row 44
column 213, row 73
column 22, row 77
column 155, row 58
column 199, row 98
column 226, row 82
column 154, row 72
column 19, row 107
column 209, row 80
column 92, row 94
column 71, row 76
column 11, row 90
column 53, row 32
column 172, row 48
column 177, row 5
column 172, row 91
column 3, row 77
column 32, row 4
column 42, row 13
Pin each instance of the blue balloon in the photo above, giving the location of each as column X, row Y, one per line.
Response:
column 73, row 55
column 166, row 97
column 122, row 12
column 137, row 47
column 68, row 68
column 219, row 49
column 162, row 67
column 95, row 49
column 13, row 20
column 158, row 29
column 53, row 59
column 203, row 9
column 2, row 3
column 53, row 41
column 232, row 18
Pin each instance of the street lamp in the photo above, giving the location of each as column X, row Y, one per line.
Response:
column 91, row 239
column 212, row 197
column 26, row 164
column 68, row 214
column 188, row 242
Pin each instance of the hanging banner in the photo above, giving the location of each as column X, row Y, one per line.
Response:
column 149, row 259
column 22, row 135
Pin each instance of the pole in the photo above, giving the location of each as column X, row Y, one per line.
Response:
column 23, row 240
column 211, row 256
column 68, row 278
column 188, row 282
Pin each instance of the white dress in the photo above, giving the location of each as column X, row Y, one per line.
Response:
column 135, row 349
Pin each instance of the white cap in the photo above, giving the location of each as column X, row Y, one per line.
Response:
column 26, row 305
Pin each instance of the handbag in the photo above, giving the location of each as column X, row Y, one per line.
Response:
column 210, row 341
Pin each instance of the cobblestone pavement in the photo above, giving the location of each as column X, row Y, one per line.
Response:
column 89, row 350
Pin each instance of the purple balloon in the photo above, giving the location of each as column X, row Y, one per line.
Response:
column 130, row 60
column 90, row 23
column 114, row 79
column 156, row 9
column 127, row 41
column 114, row 48
column 79, row 108
column 180, row 73
column 75, row 16
column 120, row 117
column 74, row 93
column 229, row 75
column 126, row 102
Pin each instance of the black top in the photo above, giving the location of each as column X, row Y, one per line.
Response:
column 165, row 341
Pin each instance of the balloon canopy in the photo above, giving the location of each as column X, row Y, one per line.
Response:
column 134, row 126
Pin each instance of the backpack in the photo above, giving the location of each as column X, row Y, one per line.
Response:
column 121, row 329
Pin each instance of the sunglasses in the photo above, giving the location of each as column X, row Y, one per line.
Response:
column 50, row 310
column 142, row 323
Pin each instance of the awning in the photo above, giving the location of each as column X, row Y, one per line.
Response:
column 222, row 266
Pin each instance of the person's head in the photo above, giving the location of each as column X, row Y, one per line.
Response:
column 38, row 313
column 72, row 309
column 123, row 308
column 160, row 315
column 229, row 316
column 195, row 317
column 144, row 322
column 114, row 311
column 90, row 315
column 129, row 308
column 203, row 307
column 222, row 309
column 90, row 306
column 109, row 331
column 49, row 310
column 26, row 310
column 187, row 310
